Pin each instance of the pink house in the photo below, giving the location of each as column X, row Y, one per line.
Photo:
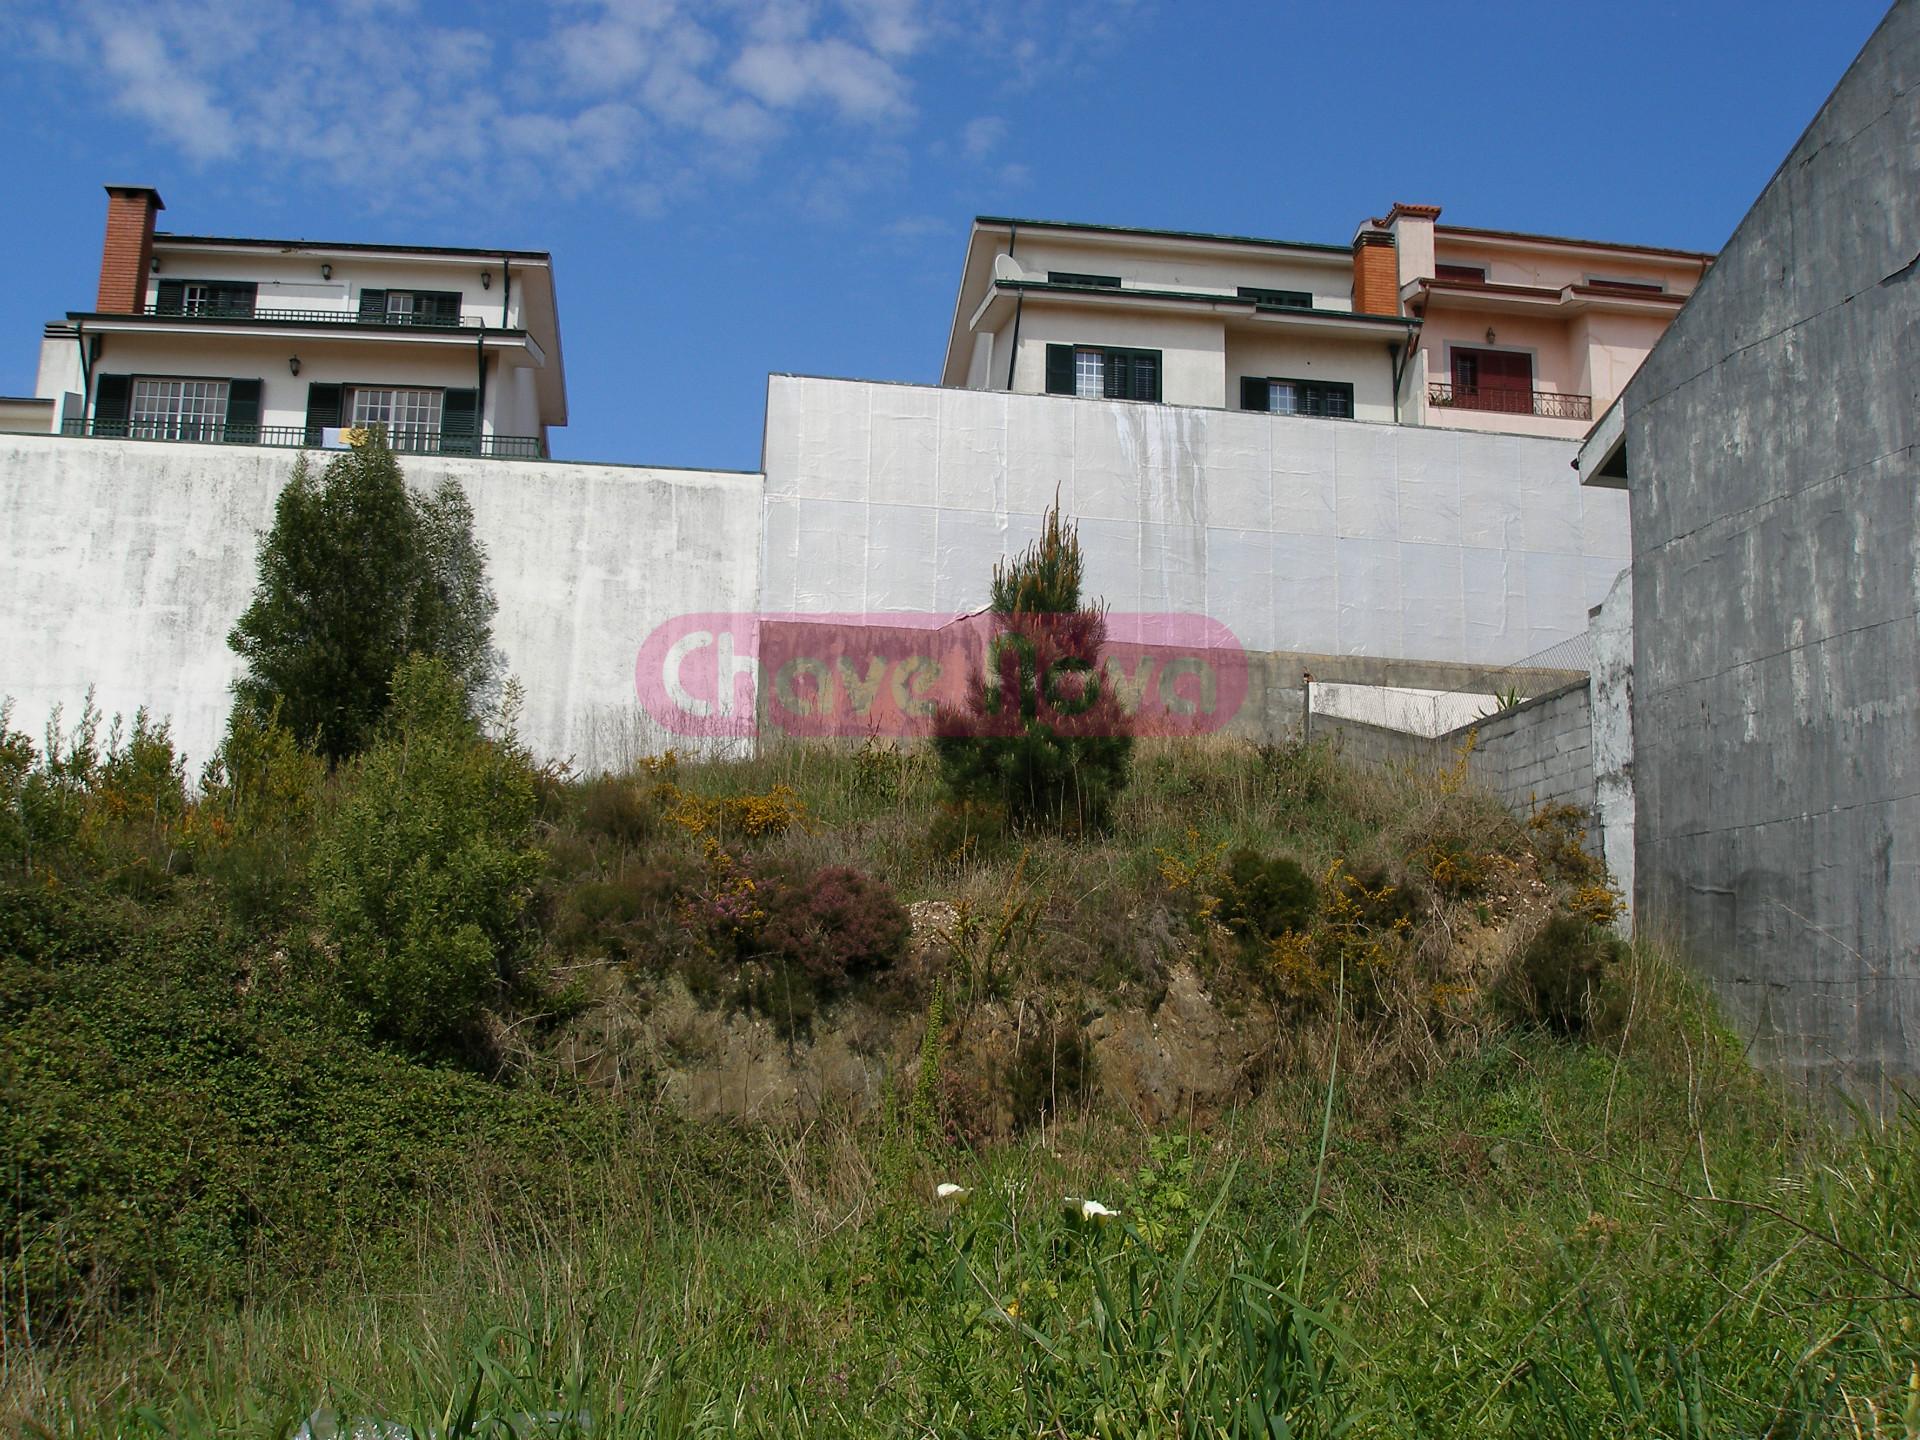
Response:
column 1536, row 334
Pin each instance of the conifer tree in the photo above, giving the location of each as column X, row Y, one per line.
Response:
column 1042, row 733
column 356, row 574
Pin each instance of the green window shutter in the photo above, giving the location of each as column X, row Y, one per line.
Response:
column 1144, row 375
column 243, row 412
column 234, row 297
column 1119, row 368
column 324, row 403
column 1059, row 369
column 460, row 422
column 373, row 305
column 173, row 297
column 112, row 404
column 437, row 307
column 1253, row 392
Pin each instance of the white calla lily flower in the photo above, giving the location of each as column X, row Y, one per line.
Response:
column 947, row 1190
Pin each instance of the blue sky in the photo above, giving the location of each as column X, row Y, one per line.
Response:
column 741, row 186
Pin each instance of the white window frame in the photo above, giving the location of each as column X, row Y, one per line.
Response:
column 1089, row 370
column 412, row 415
column 178, row 407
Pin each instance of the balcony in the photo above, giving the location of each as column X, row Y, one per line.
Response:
column 300, row 437
column 414, row 320
column 1547, row 404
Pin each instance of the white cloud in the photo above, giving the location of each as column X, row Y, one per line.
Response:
column 981, row 136
column 787, row 74
column 644, row 99
column 148, row 84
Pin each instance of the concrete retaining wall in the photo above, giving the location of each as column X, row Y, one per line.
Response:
column 1773, row 454
column 1612, row 695
column 1539, row 753
column 1300, row 536
column 127, row 564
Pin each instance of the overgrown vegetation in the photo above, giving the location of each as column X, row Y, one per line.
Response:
column 277, row 1141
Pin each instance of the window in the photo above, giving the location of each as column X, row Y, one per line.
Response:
column 1499, row 380
column 1103, row 372
column 1090, row 374
column 1277, row 299
column 1073, row 277
column 1329, row 399
column 1640, row 287
column 1475, row 274
column 218, row 298
column 411, row 417
column 178, row 409
column 410, row 307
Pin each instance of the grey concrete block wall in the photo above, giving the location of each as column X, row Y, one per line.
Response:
column 1772, row 442
column 1540, row 753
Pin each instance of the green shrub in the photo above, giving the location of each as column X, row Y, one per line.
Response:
column 86, row 810
column 260, row 797
column 615, row 808
column 1562, row 978
column 966, row 829
column 424, row 872
column 1051, row 1071
column 1042, row 734
column 835, row 927
column 357, row 573
column 1266, row 896
column 181, row 1117
column 632, row 915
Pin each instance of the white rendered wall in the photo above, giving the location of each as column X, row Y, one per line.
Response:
column 294, row 282
column 1192, row 347
column 1278, row 354
column 128, row 563
column 1325, row 536
column 1147, row 264
column 433, row 362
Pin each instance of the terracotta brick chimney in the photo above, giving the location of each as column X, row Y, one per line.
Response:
column 127, row 255
column 1376, row 275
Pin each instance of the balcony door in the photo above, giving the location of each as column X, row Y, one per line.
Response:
column 1499, row 380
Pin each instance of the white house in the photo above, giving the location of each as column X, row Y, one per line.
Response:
column 1412, row 322
column 1218, row 321
column 279, row 342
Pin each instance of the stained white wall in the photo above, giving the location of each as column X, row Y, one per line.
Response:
column 128, row 563
column 1335, row 537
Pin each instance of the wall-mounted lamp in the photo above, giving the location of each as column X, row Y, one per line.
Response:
column 154, row 264
column 326, row 271
column 293, row 363
column 1489, row 335
column 486, row 279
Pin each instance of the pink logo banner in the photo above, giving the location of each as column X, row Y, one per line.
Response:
column 908, row 675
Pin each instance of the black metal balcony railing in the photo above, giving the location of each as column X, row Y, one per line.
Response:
column 1548, row 404
column 406, row 440
column 416, row 320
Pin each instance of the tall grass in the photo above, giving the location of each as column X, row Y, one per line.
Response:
column 1424, row 1220
column 1546, row 1239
